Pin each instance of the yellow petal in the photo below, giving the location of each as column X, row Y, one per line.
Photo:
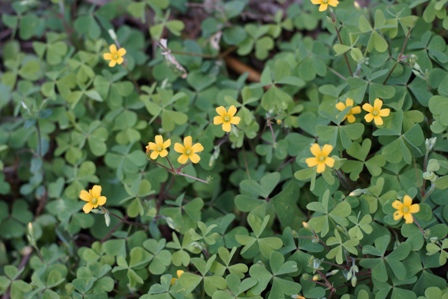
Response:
column 232, row 111
column 355, row 110
column 152, row 146
column 120, row 60
column 167, row 143
column 163, row 153
column 384, row 112
column 86, row 196
column 197, row 148
column 188, row 142
column 221, row 110
column 378, row 120
column 408, row 217
column 323, row 7
column 112, row 63
column 398, row 215
column 397, row 205
column 315, row 150
column 154, row 155
column 340, row 106
column 351, row 119
column 107, row 56
column 96, row 191
column 226, row 127
column 311, row 162
column 368, row 117
column 113, row 49
column 182, row 159
column 159, row 140
column 217, row 120
column 102, row 200
column 415, row 208
column 316, row 2
column 333, row 3
column 122, row 52
column 87, row 207
column 367, row 107
column 377, row 104
column 235, row 120
column 195, row 158
column 329, row 162
column 179, row 273
column 179, row 148
column 173, row 280
column 349, row 102
column 407, row 201
column 320, row 167
column 326, row 150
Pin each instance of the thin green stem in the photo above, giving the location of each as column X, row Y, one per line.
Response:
column 425, row 165
column 192, row 177
column 400, row 56
column 338, row 33
column 327, row 283
column 419, row 227
column 343, row 179
column 43, row 198
column 163, row 166
column 269, row 123
column 123, row 219
column 428, row 193
column 169, row 162
column 245, row 164
column 336, row 73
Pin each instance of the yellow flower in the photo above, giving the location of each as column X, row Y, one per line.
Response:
column 320, row 157
column 188, row 151
column 405, row 209
column 324, row 3
column 355, row 110
column 93, row 198
column 115, row 57
column 226, row 118
column 158, row 148
column 375, row 112
column 297, row 296
column 179, row 274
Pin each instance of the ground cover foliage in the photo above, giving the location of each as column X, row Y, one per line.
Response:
column 163, row 149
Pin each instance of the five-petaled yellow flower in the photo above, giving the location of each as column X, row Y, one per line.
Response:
column 93, row 198
column 188, row 151
column 321, row 157
column 324, row 3
column 375, row 112
column 354, row 110
column 115, row 56
column 179, row 274
column 158, row 148
column 405, row 209
column 226, row 118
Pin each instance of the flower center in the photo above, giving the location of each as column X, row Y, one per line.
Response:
column 159, row 148
column 226, row 118
column 94, row 200
column 188, row 152
column 115, row 56
column 375, row 112
column 322, row 158
column 405, row 210
column 324, row 1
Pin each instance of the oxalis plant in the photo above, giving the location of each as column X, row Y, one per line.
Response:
column 162, row 149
